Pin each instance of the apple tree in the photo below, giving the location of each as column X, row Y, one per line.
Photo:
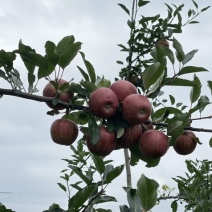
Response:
column 124, row 114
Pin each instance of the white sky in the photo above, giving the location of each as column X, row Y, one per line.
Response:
column 30, row 163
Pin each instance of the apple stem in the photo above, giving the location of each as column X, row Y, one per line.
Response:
column 128, row 170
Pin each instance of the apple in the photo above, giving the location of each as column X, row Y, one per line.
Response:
column 105, row 145
column 130, row 136
column 163, row 42
column 122, row 89
column 50, row 91
column 103, row 103
column 136, row 109
column 186, row 143
column 153, row 144
column 64, row 131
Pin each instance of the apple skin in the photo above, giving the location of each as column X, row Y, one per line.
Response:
column 186, row 143
column 153, row 144
column 105, row 145
column 64, row 131
column 103, row 103
column 122, row 89
column 130, row 137
column 136, row 109
column 49, row 91
column 163, row 42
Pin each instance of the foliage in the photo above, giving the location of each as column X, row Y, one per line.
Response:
column 195, row 188
column 146, row 66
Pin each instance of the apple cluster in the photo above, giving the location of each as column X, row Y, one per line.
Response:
column 120, row 100
column 134, row 109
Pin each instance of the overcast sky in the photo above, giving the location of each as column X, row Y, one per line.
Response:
column 30, row 163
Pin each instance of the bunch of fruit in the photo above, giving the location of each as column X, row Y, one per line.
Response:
column 120, row 101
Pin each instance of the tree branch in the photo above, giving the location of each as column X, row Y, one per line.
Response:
column 38, row 98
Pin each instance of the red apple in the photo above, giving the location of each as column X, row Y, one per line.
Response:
column 186, row 143
column 122, row 89
column 64, row 131
column 103, row 103
column 153, row 144
column 163, row 42
column 50, row 91
column 136, row 109
column 130, row 136
column 105, row 145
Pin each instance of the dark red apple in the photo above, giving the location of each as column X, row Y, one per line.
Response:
column 153, row 144
column 186, row 143
column 105, row 145
column 103, row 103
column 122, row 89
column 130, row 136
column 50, row 91
column 163, row 42
column 64, row 131
column 136, row 109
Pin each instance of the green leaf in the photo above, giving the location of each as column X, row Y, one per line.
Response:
column 158, row 55
column 90, row 68
column 104, row 83
column 68, row 54
column 51, row 53
column 195, row 4
column 86, row 77
column 205, row 8
column 161, row 112
column 172, row 99
column 77, row 88
column 151, row 74
column 141, row 3
column 82, row 196
column 178, row 82
column 191, row 69
column 170, row 55
column 99, row 164
column 202, row 103
column 174, row 128
column 62, row 186
column 124, row 8
column 94, row 131
column 147, row 191
column 79, row 117
column 89, row 86
column 114, row 173
column 210, row 142
column 174, row 206
column 189, row 56
column 134, row 200
column 45, row 72
column 179, row 50
column 196, row 90
column 104, row 199
column 210, row 85
column 79, row 172
column 120, row 132
column 124, row 208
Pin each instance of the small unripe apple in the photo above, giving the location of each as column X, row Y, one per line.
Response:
column 153, row 144
column 186, row 143
column 50, row 91
column 130, row 136
column 64, row 131
column 136, row 109
column 105, row 145
column 122, row 89
column 103, row 103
